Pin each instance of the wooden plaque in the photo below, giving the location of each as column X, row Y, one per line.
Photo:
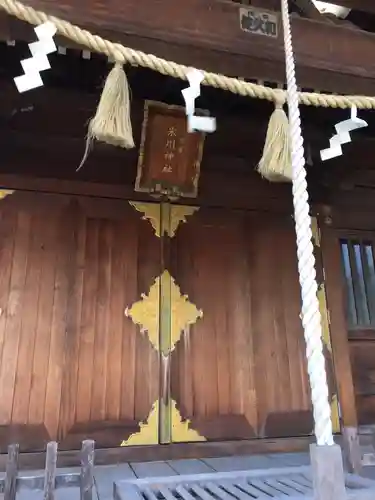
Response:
column 169, row 157
column 259, row 22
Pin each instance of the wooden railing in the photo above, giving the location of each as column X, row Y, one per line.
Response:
column 50, row 480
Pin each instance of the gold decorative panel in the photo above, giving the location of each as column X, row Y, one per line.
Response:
column 148, row 431
column 181, row 431
column 5, row 192
column 326, row 334
column 179, row 214
column 145, row 313
column 315, row 231
column 183, row 312
column 151, row 212
column 173, row 215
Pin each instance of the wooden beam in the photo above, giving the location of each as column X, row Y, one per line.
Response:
column 309, row 10
column 213, row 28
column 364, row 5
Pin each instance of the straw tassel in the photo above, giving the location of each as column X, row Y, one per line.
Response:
column 111, row 123
column 276, row 164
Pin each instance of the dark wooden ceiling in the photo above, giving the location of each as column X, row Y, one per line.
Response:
column 42, row 131
column 207, row 34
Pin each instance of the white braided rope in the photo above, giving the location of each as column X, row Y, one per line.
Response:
column 311, row 319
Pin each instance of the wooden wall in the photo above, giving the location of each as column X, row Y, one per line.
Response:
column 74, row 366
column 242, row 375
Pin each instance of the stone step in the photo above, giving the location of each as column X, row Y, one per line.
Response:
column 368, row 459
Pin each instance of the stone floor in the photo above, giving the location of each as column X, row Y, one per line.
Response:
column 106, row 475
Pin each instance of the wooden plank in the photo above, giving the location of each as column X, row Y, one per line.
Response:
column 50, row 471
column 87, row 470
column 73, row 319
column 296, row 486
column 43, row 327
column 29, row 315
column 102, row 332
column 282, row 487
column 8, row 369
column 11, row 473
column 58, row 333
column 251, row 490
column 217, row 492
column 363, row 5
column 88, row 322
column 263, row 487
column 335, row 301
column 7, row 238
column 184, row 494
column 114, row 394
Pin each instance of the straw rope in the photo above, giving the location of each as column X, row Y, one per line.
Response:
column 124, row 55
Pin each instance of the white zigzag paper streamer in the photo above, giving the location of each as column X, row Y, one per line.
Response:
column 342, row 135
column 39, row 60
column 195, row 123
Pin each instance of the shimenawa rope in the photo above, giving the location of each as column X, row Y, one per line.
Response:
column 112, row 123
column 124, row 55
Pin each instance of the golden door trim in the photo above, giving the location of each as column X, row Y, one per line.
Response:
column 148, row 430
column 326, row 334
column 145, row 312
column 176, row 215
column 164, row 314
column 151, row 212
column 5, row 192
column 179, row 213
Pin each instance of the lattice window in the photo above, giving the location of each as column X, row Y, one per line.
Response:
column 357, row 257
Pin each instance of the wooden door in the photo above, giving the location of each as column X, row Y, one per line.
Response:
column 73, row 365
column 238, row 366
column 111, row 368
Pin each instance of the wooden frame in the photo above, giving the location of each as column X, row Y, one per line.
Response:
column 142, row 164
column 340, row 347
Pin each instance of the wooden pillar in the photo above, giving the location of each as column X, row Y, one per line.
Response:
column 334, row 285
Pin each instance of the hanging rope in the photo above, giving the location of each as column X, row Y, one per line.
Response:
column 124, row 55
column 311, row 318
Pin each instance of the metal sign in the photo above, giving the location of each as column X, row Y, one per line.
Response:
column 259, row 22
